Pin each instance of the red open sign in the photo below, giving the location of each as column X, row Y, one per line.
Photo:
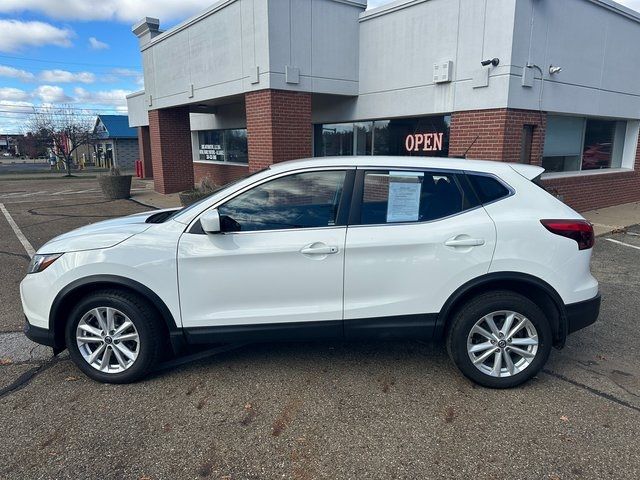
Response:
column 427, row 142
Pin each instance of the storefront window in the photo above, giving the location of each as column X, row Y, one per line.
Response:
column 421, row 136
column 574, row 144
column 334, row 139
column 223, row 145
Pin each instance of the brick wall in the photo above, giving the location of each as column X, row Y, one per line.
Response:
column 219, row 174
column 495, row 134
column 144, row 152
column 170, row 133
column 278, row 126
column 499, row 137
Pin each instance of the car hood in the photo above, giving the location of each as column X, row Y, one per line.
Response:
column 99, row 235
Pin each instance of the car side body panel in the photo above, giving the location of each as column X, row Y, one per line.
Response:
column 524, row 245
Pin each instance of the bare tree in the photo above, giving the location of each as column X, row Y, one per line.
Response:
column 64, row 129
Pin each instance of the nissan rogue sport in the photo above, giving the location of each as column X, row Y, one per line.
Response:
column 472, row 253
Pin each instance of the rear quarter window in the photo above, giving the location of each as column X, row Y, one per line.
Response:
column 487, row 188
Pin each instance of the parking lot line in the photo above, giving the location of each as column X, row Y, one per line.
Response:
column 23, row 240
column 622, row 243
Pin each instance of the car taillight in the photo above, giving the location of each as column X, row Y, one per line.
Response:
column 579, row 230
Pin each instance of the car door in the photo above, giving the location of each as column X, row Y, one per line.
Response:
column 276, row 267
column 414, row 237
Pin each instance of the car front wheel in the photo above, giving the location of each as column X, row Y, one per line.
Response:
column 499, row 339
column 112, row 337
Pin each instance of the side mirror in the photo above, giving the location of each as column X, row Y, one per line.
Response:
column 210, row 221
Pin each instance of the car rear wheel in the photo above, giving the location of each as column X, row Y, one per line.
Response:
column 112, row 337
column 499, row 339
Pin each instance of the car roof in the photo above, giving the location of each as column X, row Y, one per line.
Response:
column 484, row 166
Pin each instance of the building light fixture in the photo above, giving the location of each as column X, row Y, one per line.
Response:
column 493, row 61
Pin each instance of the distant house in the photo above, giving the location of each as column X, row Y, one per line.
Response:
column 117, row 143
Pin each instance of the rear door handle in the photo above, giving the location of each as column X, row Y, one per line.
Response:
column 464, row 242
column 319, row 249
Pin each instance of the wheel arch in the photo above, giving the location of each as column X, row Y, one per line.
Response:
column 62, row 305
column 534, row 288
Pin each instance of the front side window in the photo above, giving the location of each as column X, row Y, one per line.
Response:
column 574, row 144
column 223, row 145
column 302, row 200
column 410, row 196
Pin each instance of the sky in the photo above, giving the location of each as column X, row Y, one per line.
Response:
column 81, row 52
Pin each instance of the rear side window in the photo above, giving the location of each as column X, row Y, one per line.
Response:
column 410, row 196
column 488, row 189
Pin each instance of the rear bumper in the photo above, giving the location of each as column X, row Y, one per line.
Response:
column 582, row 314
column 43, row 336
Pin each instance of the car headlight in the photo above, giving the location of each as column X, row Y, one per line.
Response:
column 39, row 262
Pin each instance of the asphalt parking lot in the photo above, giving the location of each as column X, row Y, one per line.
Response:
column 307, row 411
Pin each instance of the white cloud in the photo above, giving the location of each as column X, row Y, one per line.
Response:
column 51, row 94
column 122, row 10
column 18, row 34
column 122, row 74
column 13, row 94
column 11, row 72
column 14, row 116
column 112, row 98
column 64, row 76
column 96, row 44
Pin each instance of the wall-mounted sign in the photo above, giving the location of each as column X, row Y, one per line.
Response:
column 426, row 142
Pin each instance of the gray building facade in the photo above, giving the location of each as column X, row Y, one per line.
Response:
column 250, row 82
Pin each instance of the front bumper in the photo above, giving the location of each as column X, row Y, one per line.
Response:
column 43, row 336
column 582, row 314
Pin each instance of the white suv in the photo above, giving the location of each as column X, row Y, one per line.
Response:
column 470, row 252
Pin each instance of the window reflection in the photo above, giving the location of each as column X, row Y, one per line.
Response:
column 419, row 136
column 577, row 143
column 302, row 200
column 223, row 145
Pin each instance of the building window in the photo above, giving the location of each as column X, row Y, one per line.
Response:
column 223, row 145
column 574, row 144
column 420, row 136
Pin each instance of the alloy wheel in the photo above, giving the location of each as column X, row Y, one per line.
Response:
column 502, row 343
column 107, row 340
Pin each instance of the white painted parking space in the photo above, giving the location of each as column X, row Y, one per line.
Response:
column 84, row 191
column 14, row 226
column 618, row 242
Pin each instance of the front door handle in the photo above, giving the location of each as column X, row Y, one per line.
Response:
column 464, row 242
column 319, row 249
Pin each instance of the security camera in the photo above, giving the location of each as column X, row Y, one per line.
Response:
column 553, row 70
column 493, row 61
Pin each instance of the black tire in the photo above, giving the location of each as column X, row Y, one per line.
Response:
column 466, row 317
column 143, row 318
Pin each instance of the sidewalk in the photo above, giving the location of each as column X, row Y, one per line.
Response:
column 152, row 198
column 605, row 220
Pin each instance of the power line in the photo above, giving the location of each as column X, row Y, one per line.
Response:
column 69, row 63
column 41, row 107
column 24, row 115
